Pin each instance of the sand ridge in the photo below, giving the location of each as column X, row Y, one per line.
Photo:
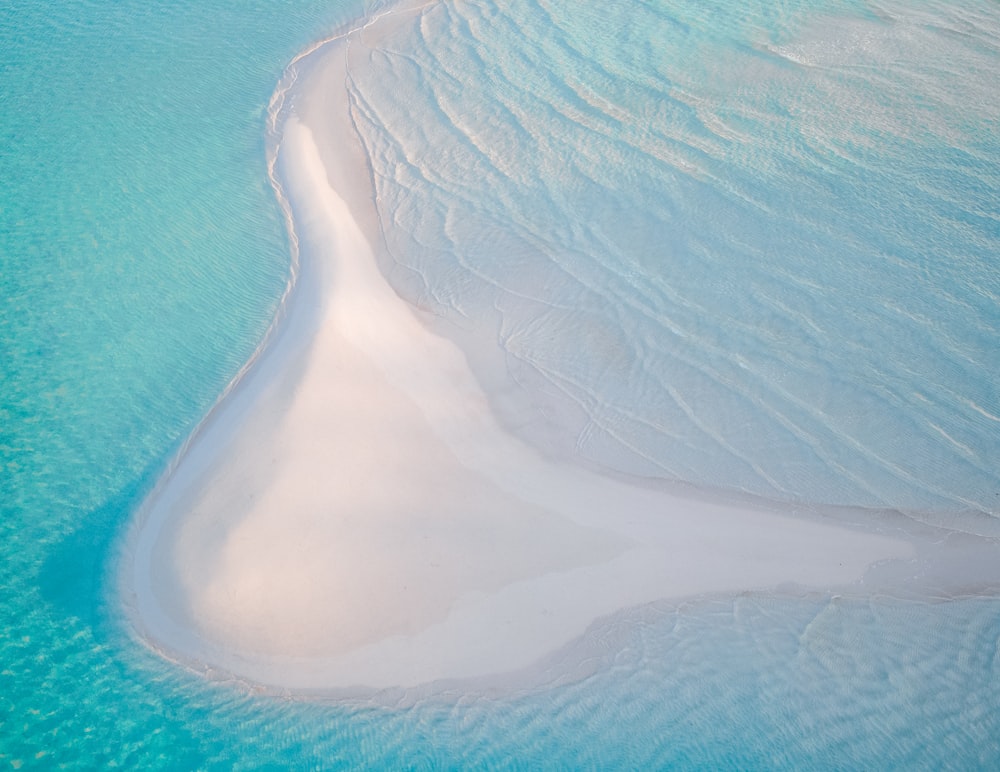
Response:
column 354, row 515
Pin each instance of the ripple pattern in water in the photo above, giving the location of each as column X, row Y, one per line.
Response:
column 753, row 250
column 105, row 222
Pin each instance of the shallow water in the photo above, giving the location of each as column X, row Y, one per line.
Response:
column 757, row 255
column 790, row 215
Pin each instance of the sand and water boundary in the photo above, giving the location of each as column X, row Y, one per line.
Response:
column 352, row 515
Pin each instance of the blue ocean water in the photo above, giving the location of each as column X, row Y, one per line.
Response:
column 745, row 245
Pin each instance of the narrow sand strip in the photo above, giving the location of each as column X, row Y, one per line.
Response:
column 353, row 514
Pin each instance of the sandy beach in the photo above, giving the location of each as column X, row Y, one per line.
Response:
column 353, row 514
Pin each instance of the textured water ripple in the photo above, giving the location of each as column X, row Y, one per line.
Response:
column 756, row 254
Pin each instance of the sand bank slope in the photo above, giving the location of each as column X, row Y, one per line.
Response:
column 353, row 515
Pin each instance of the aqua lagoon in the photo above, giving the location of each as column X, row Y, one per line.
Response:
column 740, row 257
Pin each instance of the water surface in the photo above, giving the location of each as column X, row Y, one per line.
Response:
column 748, row 247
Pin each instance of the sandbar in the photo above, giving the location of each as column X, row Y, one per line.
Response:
column 353, row 515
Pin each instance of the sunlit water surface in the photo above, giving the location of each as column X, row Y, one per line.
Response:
column 746, row 246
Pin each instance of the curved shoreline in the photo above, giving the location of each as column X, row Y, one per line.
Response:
column 214, row 577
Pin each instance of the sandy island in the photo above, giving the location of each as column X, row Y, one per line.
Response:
column 353, row 515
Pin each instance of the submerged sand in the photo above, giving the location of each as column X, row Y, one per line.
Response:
column 353, row 514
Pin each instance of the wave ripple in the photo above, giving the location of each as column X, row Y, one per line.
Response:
column 756, row 254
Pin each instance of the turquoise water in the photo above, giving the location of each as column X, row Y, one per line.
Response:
column 694, row 200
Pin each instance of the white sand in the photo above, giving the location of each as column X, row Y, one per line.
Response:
column 353, row 514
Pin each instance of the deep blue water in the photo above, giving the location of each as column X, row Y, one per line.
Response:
column 750, row 246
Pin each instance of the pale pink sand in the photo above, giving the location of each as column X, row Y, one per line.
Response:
column 353, row 514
